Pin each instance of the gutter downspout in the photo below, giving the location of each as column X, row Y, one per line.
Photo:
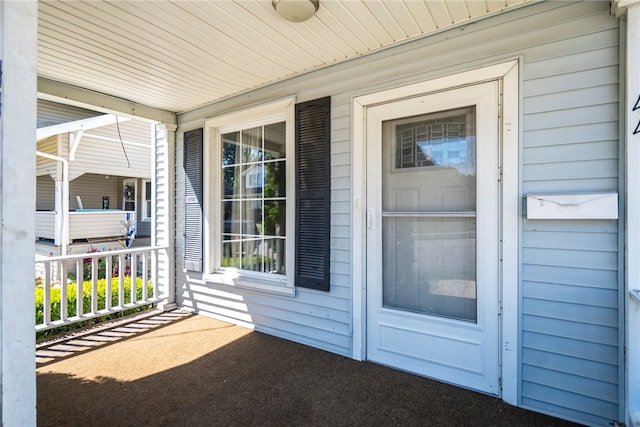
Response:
column 61, row 203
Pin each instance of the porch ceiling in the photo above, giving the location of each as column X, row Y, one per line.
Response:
column 178, row 55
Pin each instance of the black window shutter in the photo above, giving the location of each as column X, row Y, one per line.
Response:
column 193, row 200
column 313, row 193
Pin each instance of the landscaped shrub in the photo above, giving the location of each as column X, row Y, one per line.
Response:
column 253, row 262
column 101, row 264
column 86, row 302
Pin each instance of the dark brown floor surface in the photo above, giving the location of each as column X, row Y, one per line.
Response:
column 175, row 369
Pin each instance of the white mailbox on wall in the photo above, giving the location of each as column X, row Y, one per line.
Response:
column 572, row 206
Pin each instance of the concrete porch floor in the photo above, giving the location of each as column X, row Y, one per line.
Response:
column 179, row 369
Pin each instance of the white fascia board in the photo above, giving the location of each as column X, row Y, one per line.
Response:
column 79, row 125
column 84, row 98
column 619, row 7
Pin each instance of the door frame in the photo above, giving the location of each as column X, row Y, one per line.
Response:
column 508, row 74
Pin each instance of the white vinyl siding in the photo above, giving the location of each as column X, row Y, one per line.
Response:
column 570, row 353
column 45, row 193
column 44, row 165
column 101, row 151
column 90, row 187
column 51, row 113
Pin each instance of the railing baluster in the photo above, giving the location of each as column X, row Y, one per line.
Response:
column 46, row 294
column 94, row 285
column 154, row 272
column 63, row 291
column 133, row 274
column 144, row 256
column 79, row 287
column 59, row 269
column 121, row 264
column 107, row 278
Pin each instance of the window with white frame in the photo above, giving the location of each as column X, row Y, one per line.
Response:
column 254, row 198
column 255, row 214
column 251, row 216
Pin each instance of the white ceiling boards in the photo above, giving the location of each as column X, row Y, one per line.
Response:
column 176, row 56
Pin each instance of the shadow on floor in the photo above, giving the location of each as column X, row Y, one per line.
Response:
column 202, row 372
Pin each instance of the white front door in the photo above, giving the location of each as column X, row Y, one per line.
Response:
column 433, row 235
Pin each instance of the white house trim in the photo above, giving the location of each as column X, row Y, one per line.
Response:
column 510, row 203
column 632, row 258
column 18, row 53
column 79, row 125
column 84, row 98
column 509, row 74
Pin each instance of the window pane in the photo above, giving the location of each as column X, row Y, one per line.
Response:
column 275, row 179
column 441, row 139
column 273, row 255
column 230, row 148
column 232, row 182
column 232, row 218
column 253, row 180
column 251, row 216
column 252, row 145
column 429, row 253
column 254, row 203
column 430, row 266
column 274, row 218
column 231, row 256
column 275, row 141
column 129, row 191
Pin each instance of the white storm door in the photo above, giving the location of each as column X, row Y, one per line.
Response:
column 433, row 235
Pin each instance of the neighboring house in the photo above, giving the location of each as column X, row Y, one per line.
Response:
column 463, row 205
column 107, row 186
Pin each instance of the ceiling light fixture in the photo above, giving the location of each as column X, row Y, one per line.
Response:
column 296, row 10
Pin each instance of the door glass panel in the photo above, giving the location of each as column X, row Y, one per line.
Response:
column 429, row 214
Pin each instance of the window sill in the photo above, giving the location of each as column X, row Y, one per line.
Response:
column 238, row 280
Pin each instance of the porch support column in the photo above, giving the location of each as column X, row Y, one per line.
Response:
column 18, row 47
column 632, row 139
column 163, row 222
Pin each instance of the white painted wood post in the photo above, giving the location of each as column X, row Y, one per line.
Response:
column 18, row 91
column 163, row 222
column 632, row 108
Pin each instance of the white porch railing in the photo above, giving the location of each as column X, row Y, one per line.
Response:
column 103, row 283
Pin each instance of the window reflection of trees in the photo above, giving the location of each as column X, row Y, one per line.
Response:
column 254, row 199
